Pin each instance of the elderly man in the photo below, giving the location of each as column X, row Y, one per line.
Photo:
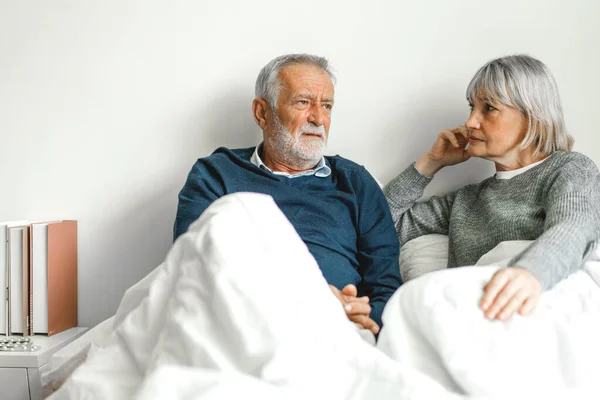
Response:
column 335, row 205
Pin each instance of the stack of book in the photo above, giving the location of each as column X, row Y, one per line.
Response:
column 38, row 273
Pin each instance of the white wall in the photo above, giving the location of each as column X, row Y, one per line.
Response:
column 105, row 105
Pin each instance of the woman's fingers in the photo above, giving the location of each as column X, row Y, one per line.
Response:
column 495, row 285
column 510, row 289
column 450, row 136
column 463, row 131
column 528, row 306
column 513, row 304
column 449, row 148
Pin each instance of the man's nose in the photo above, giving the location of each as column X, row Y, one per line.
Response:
column 317, row 115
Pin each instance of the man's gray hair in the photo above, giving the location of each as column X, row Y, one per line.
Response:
column 524, row 83
column 268, row 85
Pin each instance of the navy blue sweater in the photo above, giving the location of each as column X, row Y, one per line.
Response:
column 344, row 218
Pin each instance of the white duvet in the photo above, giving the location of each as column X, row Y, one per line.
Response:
column 238, row 311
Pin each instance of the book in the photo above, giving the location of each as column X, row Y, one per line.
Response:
column 4, row 274
column 53, row 277
column 18, row 282
column 25, row 283
column 39, row 277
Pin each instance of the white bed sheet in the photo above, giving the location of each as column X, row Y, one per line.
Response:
column 435, row 343
column 63, row 362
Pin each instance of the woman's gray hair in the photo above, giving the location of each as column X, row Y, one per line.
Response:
column 524, row 83
column 268, row 85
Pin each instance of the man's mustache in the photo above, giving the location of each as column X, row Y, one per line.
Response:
column 310, row 128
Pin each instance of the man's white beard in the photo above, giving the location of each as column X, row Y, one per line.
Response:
column 299, row 151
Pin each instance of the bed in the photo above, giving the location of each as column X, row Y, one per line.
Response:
column 436, row 344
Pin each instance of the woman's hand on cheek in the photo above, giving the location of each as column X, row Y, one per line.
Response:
column 510, row 289
column 449, row 148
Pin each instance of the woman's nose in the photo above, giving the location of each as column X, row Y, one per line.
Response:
column 473, row 121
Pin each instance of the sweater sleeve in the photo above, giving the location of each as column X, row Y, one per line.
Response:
column 201, row 189
column 571, row 227
column 377, row 246
column 414, row 219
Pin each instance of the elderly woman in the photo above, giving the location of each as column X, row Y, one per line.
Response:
column 541, row 190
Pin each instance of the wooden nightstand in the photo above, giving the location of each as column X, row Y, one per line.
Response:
column 19, row 371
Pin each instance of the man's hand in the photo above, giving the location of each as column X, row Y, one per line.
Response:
column 509, row 290
column 357, row 308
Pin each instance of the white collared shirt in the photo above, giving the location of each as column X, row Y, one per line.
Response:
column 321, row 170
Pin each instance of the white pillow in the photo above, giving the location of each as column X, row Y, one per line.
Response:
column 429, row 253
column 503, row 253
column 424, row 254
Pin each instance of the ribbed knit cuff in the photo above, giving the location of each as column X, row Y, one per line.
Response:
column 408, row 181
column 532, row 265
column 418, row 176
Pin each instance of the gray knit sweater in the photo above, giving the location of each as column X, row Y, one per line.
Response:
column 555, row 203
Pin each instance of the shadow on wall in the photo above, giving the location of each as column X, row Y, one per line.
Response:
column 137, row 239
column 220, row 121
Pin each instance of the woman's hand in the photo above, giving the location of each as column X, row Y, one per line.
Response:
column 448, row 149
column 509, row 290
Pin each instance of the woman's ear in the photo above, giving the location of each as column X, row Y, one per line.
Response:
column 260, row 110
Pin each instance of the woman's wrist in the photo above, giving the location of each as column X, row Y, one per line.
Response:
column 426, row 166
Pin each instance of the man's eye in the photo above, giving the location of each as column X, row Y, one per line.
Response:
column 303, row 102
column 327, row 106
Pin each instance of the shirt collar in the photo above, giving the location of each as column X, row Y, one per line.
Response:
column 321, row 170
column 515, row 172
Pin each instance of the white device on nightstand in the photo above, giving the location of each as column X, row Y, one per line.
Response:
column 19, row 370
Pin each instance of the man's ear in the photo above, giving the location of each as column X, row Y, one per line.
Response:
column 260, row 110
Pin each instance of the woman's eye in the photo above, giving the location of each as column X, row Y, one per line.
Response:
column 471, row 107
column 489, row 107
